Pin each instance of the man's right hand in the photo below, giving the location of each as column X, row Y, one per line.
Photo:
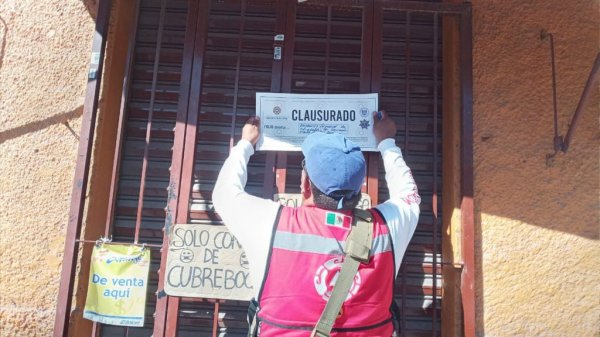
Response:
column 251, row 130
column 383, row 128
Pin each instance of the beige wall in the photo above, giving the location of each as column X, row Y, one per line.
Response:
column 44, row 54
column 537, row 241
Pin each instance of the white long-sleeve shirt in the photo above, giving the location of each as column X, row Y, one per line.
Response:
column 251, row 219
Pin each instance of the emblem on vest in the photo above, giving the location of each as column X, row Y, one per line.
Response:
column 338, row 220
column 326, row 276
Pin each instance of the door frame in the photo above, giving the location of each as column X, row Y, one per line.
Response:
column 167, row 307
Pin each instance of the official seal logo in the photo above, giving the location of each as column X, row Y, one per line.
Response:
column 364, row 111
column 364, row 124
column 277, row 109
column 326, row 276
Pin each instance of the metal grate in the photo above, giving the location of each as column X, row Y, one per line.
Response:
column 149, row 115
column 410, row 90
column 237, row 62
column 330, row 47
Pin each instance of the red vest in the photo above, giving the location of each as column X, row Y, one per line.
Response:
column 305, row 257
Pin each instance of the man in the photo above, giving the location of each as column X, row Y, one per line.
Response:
column 295, row 253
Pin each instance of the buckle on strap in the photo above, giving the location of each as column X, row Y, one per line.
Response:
column 358, row 251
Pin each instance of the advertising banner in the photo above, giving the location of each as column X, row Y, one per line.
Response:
column 117, row 285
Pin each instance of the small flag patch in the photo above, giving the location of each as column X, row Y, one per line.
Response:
column 338, row 220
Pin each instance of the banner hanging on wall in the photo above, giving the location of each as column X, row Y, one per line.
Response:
column 117, row 285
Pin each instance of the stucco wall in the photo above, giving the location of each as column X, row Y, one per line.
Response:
column 44, row 54
column 537, row 240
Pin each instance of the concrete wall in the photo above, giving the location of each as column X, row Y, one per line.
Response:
column 44, row 55
column 537, row 241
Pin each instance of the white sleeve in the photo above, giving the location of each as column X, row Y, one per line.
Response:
column 249, row 218
column 401, row 211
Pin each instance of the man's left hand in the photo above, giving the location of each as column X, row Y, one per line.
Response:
column 251, row 130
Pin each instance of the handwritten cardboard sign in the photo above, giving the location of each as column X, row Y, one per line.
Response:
column 206, row 261
column 295, row 200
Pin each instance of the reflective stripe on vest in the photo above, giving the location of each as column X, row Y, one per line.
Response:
column 304, row 261
column 310, row 243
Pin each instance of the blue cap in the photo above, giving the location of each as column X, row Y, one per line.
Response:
column 334, row 163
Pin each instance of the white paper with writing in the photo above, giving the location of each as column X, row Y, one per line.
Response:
column 287, row 119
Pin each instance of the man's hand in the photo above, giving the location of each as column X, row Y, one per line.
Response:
column 251, row 130
column 383, row 128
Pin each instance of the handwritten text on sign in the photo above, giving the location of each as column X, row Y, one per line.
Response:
column 206, row 261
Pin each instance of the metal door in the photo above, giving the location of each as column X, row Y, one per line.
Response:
column 196, row 67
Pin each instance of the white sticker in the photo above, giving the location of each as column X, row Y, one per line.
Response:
column 277, row 53
column 95, row 58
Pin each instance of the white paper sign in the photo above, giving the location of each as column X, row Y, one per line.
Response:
column 206, row 261
column 287, row 119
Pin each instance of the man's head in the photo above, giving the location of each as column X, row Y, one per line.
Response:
column 335, row 166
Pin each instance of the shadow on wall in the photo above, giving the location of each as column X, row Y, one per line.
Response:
column 561, row 197
column 62, row 118
column 556, row 191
